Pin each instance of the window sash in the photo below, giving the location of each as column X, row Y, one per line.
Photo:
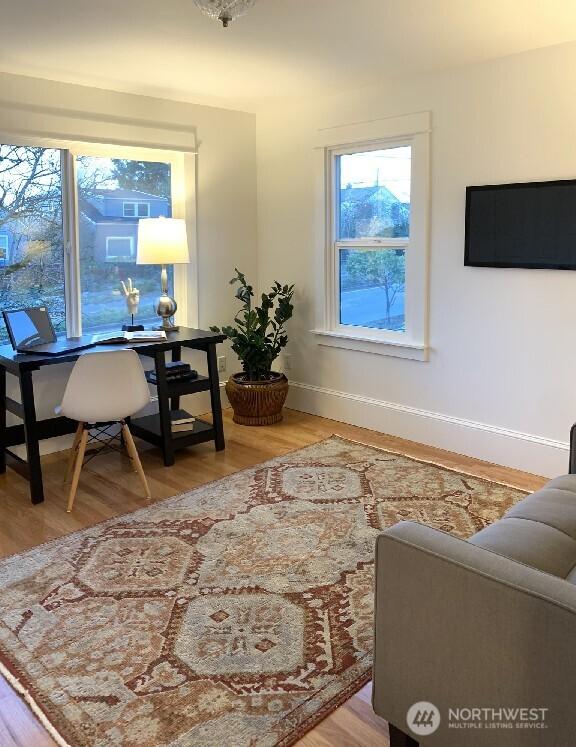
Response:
column 113, row 239
column 358, row 329
column 415, row 245
column 369, row 243
column 335, row 159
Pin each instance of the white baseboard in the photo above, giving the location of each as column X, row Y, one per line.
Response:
column 536, row 454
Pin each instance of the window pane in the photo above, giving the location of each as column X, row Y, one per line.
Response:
column 372, row 288
column 3, row 248
column 120, row 248
column 373, row 193
column 112, row 195
column 31, row 234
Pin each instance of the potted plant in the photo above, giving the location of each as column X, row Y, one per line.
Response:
column 258, row 393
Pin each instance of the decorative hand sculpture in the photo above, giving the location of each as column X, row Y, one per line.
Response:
column 132, row 296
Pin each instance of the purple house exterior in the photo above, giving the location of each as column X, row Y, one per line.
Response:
column 6, row 240
column 113, row 216
column 110, row 217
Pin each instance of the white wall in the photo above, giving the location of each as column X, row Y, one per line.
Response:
column 500, row 383
column 225, row 174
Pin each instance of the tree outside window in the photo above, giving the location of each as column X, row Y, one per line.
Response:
column 372, row 287
column 32, row 272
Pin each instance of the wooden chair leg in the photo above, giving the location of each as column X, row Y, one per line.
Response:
column 133, row 452
column 77, row 467
column 72, row 457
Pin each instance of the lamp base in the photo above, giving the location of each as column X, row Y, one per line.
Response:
column 167, row 328
column 166, row 308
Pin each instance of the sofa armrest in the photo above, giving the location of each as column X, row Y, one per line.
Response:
column 459, row 626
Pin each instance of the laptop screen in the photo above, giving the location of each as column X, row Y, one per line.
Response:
column 29, row 327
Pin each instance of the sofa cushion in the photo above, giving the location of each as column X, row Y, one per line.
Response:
column 531, row 543
column 551, row 506
column 565, row 482
column 540, row 531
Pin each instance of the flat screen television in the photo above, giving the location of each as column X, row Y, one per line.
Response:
column 529, row 225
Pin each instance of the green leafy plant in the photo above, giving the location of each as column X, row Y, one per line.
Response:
column 259, row 333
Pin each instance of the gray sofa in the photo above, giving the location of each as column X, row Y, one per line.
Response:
column 485, row 624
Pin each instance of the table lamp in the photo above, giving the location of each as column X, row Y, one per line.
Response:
column 162, row 241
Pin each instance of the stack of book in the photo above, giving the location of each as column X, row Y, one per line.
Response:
column 176, row 371
column 182, row 425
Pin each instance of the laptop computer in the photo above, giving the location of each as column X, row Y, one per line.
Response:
column 31, row 331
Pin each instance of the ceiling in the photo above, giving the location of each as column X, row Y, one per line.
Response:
column 280, row 48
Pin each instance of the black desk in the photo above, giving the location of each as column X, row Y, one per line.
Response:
column 153, row 428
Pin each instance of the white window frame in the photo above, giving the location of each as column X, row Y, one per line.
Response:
column 5, row 245
column 413, row 131
column 112, row 257
column 136, row 204
column 183, row 201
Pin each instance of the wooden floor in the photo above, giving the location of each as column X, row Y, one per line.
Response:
column 109, row 488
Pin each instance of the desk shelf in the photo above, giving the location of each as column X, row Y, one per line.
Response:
column 180, row 388
column 148, row 428
column 157, row 428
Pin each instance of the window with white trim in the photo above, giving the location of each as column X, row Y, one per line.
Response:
column 120, row 248
column 4, row 243
column 372, row 206
column 69, row 246
column 373, row 238
column 135, row 209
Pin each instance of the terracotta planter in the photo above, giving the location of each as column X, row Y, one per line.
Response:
column 257, row 402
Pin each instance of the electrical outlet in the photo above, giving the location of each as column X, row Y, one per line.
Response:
column 221, row 363
column 287, row 361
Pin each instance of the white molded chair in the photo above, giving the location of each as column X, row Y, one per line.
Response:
column 103, row 389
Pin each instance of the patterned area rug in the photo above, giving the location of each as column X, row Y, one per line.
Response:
column 239, row 613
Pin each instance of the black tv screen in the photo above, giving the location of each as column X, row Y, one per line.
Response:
column 529, row 225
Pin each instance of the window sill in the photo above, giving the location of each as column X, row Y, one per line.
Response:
column 394, row 349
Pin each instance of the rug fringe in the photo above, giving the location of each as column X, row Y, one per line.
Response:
column 433, row 463
column 21, row 690
column 316, row 718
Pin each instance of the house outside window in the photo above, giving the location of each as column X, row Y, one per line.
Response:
column 373, row 236
column 120, row 249
column 136, row 209
column 54, row 198
column 4, row 246
column 108, row 239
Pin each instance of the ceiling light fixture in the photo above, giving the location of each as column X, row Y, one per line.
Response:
column 225, row 11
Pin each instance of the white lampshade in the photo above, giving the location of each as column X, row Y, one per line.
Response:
column 162, row 241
